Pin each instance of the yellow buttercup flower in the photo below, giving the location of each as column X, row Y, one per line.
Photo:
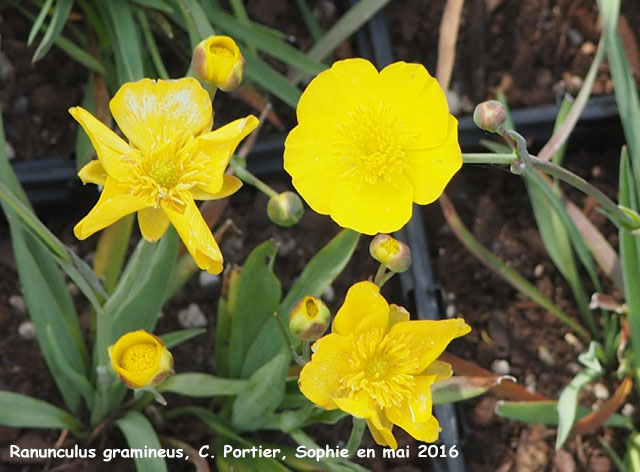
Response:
column 172, row 159
column 368, row 144
column 378, row 365
column 141, row 359
column 218, row 60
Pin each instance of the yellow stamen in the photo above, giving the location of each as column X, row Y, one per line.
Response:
column 139, row 357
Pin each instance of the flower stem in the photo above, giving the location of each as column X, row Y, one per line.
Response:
column 243, row 174
column 355, row 438
column 561, row 174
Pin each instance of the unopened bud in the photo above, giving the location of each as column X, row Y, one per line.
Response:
column 490, row 116
column 309, row 318
column 285, row 209
column 218, row 60
column 394, row 254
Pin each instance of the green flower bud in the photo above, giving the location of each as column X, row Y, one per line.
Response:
column 218, row 60
column 309, row 318
column 285, row 209
column 394, row 254
column 490, row 116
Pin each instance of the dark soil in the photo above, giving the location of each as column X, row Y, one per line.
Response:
column 534, row 51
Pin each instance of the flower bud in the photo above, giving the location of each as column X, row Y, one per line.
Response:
column 218, row 60
column 309, row 318
column 394, row 254
column 285, row 209
column 490, row 116
column 141, row 359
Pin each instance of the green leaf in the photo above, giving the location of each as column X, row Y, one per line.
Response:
column 20, row 411
column 175, row 338
column 126, row 43
column 196, row 21
column 265, row 42
column 263, row 394
column 271, row 80
column 546, row 412
column 258, row 296
column 317, row 275
column 83, row 149
column 111, row 251
column 156, row 5
column 568, row 404
column 139, row 434
column 152, row 47
column 310, row 21
column 37, row 24
column 193, row 384
column 58, row 20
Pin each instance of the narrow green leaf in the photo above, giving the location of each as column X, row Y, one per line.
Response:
column 58, row 20
column 262, row 395
column 196, row 21
column 271, row 80
column 139, row 434
column 84, row 151
column 159, row 5
column 37, row 24
column 568, row 404
column 211, row 420
column 111, row 251
column 547, row 413
column 126, row 47
column 152, row 47
column 175, row 338
column 258, row 296
column 194, row 384
column 223, row 334
column 310, row 21
column 20, row 411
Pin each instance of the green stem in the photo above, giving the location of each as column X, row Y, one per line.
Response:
column 247, row 177
column 561, row 174
column 499, row 267
column 382, row 270
column 355, row 438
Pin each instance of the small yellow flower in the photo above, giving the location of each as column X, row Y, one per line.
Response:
column 141, row 359
column 378, row 365
column 172, row 159
column 309, row 318
column 218, row 60
column 369, row 144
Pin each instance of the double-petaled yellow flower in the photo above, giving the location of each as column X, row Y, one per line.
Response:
column 172, row 159
column 140, row 359
column 378, row 365
column 368, row 144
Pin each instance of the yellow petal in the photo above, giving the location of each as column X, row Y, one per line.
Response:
column 397, row 314
column 429, row 338
column 153, row 223
column 381, row 431
column 442, row 370
column 361, row 405
column 363, row 308
column 230, row 185
column 114, row 203
column 427, row 431
column 309, row 159
column 196, row 236
column 380, row 207
column 320, row 378
column 218, row 146
column 430, row 170
column 418, row 407
column 148, row 111
column 418, row 100
column 109, row 147
column 93, row 173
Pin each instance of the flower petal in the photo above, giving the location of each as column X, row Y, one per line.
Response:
column 419, row 101
column 196, row 236
column 363, row 308
column 153, row 223
column 442, row 370
column 114, row 203
column 320, row 378
column 427, row 431
column 380, row 207
column 218, row 147
column 110, row 148
column 430, row 170
column 428, row 339
column 93, row 173
column 360, row 406
column 230, row 185
column 381, row 431
column 150, row 112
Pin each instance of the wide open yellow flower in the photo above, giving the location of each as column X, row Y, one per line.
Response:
column 140, row 359
column 378, row 365
column 369, row 144
column 172, row 159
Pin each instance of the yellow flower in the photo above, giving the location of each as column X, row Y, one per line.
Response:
column 172, row 159
column 369, row 144
column 218, row 60
column 141, row 359
column 378, row 365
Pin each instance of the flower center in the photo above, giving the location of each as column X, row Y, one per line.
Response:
column 372, row 141
column 164, row 173
column 220, row 51
column 381, row 366
column 139, row 357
